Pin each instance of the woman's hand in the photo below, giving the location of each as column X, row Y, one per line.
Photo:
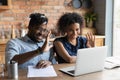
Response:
column 43, row 64
column 90, row 40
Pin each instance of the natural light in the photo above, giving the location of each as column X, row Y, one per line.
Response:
column 116, row 29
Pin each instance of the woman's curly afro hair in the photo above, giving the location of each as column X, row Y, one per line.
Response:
column 67, row 19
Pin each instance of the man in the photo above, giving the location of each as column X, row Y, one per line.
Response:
column 33, row 48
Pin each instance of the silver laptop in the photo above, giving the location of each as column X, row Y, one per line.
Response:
column 88, row 60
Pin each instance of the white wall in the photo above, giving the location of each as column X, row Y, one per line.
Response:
column 116, row 29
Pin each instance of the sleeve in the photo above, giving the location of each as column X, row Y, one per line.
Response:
column 11, row 50
column 59, row 39
column 52, row 56
column 82, row 42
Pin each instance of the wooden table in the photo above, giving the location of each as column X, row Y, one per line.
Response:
column 113, row 74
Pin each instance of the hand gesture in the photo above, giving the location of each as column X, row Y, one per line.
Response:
column 48, row 37
column 90, row 40
column 46, row 46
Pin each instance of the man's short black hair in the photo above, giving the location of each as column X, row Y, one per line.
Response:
column 37, row 19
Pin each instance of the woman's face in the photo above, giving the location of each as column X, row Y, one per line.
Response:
column 73, row 31
column 38, row 33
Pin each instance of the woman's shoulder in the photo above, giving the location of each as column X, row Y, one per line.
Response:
column 82, row 38
column 60, row 38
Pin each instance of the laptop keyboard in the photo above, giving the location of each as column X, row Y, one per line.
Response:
column 72, row 71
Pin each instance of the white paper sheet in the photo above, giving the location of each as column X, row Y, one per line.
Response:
column 112, row 62
column 42, row 72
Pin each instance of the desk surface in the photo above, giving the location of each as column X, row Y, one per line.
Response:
column 113, row 74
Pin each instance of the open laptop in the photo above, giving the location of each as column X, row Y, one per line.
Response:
column 88, row 60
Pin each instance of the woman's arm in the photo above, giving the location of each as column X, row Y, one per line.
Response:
column 63, row 53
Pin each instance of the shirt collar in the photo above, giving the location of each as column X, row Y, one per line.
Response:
column 27, row 39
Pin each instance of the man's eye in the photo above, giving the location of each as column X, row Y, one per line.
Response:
column 44, row 30
column 77, row 29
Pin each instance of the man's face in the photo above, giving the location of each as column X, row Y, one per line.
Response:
column 37, row 33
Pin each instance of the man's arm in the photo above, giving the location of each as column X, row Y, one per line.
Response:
column 21, row 58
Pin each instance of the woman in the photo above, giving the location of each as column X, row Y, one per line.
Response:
column 66, row 47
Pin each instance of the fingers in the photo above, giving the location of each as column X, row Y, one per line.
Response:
column 90, row 40
column 90, row 36
column 43, row 64
column 48, row 35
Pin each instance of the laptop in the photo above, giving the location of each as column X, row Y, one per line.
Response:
column 88, row 60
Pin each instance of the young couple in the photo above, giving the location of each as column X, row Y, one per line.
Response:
column 34, row 48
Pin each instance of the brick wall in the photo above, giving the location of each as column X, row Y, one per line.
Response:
column 21, row 9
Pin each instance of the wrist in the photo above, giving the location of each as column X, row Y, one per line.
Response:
column 39, row 51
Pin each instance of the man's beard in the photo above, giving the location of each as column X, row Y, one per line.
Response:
column 34, row 38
